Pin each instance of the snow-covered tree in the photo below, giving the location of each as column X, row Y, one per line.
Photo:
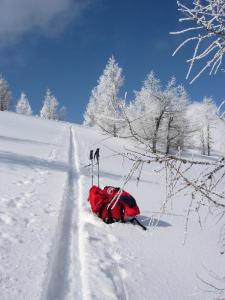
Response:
column 206, row 19
column 90, row 115
column 5, row 95
column 203, row 118
column 49, row 109
column 148, row 110
column 175, row 125
column 104, row 107
column 207, row 117
column 23, row 106
column 157, row 116
column 221, row 111
column 62, row 113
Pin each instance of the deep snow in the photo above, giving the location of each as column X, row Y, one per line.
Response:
column 53, row 247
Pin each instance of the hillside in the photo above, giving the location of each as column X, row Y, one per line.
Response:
column 53, row 247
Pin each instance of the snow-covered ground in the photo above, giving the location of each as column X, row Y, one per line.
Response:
column 53, row 247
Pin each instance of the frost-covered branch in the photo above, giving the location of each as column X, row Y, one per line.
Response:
column 221, row 111
column 200, row 185
column 205, row 21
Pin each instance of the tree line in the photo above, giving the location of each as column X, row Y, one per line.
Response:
column 48, row 111
column 158, row 116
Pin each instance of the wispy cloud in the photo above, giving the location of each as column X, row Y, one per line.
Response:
column 44, row 17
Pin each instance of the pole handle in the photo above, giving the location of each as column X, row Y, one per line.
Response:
column 91, row 155
column 96, row 155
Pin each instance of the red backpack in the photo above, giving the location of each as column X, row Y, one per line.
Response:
column 112, row 204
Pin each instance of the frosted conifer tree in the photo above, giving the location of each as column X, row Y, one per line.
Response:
column 203, row 117
column 23, row 106
column 90, row 115
column 49, row 109
column 62, row 113
column 175, row 128
column 5, row 95
column 207, row 120
column 104, row 108
column 152, row 107
column 157, row 116
column 144, row 110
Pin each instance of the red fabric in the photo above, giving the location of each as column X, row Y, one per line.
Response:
column 99, row 200
column 131, row 212
column 96, row 198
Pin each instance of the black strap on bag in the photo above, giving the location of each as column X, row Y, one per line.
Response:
column 110, row 219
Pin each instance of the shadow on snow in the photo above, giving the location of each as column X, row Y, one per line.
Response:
column 151, row 222
column 23, row 141
column 31, row 162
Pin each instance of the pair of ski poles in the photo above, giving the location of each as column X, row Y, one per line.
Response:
column 93, row 157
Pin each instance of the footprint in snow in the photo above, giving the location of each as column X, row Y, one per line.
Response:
column 20, row 200
column 29, row 221
column 28, row 194
column 6, row 237
column 49, row 211
column 25, row 180
column 41, row 173
column 11, row 203
column 116, row 256
column 112, row 238
column 52, row 155
column 4, row 198
column 6, row 219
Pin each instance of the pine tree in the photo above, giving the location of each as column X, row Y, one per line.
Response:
column 104, row 107
column 90, row 115
column 49, row 109
column 151, row 105
column 175, row 125
column 141, row 112
column 62, row 114
column 5, row 95
column 203, row 117
column 23, row 106
column 157, row 116
column 207, row 120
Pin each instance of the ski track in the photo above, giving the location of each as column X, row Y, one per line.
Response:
column 98, row 254
column 67, row 275
column 63, row 277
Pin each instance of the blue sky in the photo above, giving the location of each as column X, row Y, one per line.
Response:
column 64, row 45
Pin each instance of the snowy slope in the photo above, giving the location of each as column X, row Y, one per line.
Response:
column 52, row 247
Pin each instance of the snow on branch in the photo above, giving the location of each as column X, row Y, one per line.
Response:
column 221, row 111
column 207, row 29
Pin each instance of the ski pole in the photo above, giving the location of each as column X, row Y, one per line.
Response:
column 91, row 159
column 139, row 223
column 96, row 156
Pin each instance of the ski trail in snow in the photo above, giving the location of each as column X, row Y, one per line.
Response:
column 68, row 277
column 101, row 269
column 65, row 260
column 77, row 246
